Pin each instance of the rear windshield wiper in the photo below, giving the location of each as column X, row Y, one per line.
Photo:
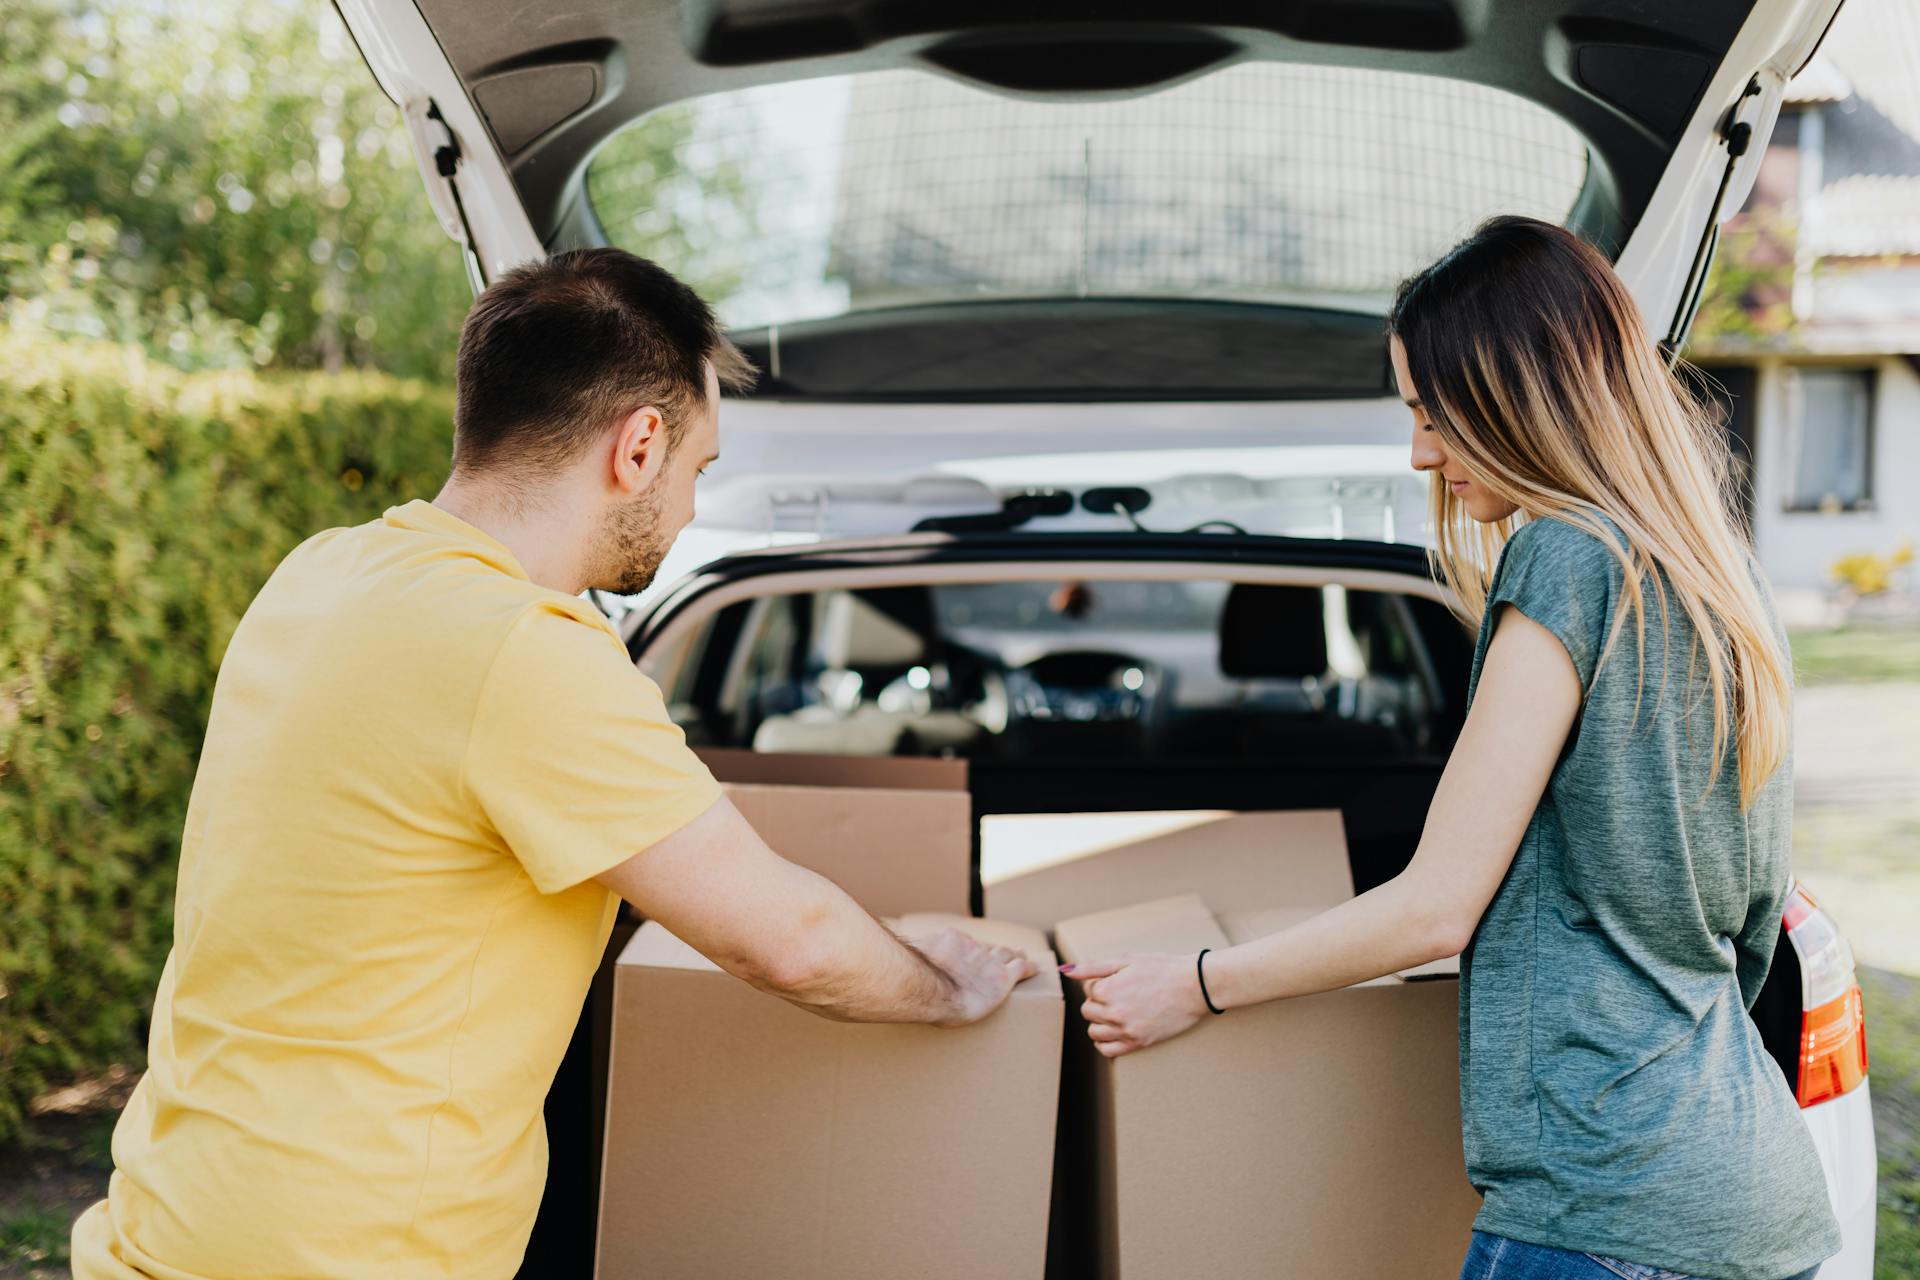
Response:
column 1015, row 510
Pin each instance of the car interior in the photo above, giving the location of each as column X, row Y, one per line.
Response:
column 1097, row 687
column 1075, row 670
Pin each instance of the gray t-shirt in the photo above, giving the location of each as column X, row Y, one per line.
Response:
column 1615, row 1096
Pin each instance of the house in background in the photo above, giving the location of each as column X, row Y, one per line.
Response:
column 1810, row 330
column 1811, row 326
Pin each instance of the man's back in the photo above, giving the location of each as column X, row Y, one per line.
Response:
column 416, row 761
column 428, row 770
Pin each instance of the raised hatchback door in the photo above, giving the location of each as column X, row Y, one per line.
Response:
column 508, row 103
column 467, row 180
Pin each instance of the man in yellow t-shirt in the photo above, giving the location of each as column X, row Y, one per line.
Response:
column 429, row 772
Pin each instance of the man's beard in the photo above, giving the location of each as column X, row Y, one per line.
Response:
column 628, row 549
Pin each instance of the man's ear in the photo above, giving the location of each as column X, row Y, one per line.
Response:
column 639, row 450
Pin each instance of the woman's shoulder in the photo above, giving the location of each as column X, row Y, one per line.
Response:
column 1586, row 545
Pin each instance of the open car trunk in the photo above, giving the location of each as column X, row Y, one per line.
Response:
column 1284, row 680
column 969, row 247
column 979, row 248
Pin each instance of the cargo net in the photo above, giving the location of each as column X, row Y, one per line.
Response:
column 1262, row 182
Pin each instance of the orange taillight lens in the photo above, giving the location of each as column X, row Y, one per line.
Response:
column 1833, row 1048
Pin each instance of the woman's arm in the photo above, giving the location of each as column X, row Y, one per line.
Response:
column 1523, row 709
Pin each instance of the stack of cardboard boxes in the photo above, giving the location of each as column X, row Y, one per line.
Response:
column 748, row 1139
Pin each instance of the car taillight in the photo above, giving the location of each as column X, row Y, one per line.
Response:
column 1833, row 1020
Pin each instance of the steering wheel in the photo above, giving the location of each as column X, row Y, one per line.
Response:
column 1083, row 686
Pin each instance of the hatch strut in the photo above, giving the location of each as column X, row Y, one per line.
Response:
column 1738, row 135
column 446, row 161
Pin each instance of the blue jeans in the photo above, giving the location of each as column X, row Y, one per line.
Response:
column 1498, row 1258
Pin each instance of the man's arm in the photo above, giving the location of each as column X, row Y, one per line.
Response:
column 716, row 885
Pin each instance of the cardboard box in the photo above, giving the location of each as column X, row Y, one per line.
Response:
column 893, row 851
column 750, row 1140
column 896, row 834
column 1041, row 868
column 905, row 773
column 1315, row 1137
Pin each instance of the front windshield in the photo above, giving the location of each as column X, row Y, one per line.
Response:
column 1262, row 182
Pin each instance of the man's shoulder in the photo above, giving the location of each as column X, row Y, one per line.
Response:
column 396, row 610
column 549, row 627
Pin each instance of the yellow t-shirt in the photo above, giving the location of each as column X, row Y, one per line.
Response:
column 386, row 922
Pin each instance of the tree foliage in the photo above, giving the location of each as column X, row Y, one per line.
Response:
column 224, row 184
column 145, row 508
column 214, row 248
column 1748, row 300
column 221, row 185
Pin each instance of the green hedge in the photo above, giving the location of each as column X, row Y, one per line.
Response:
column 140, row 510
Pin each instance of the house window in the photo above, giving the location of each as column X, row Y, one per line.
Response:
column 1830, row 437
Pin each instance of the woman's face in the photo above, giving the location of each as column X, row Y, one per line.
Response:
column 1429, row 454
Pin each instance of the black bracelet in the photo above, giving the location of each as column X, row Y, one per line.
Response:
column 1200, row 965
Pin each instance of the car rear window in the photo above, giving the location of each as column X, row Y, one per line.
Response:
column 1277, row 183
column 1143, row 670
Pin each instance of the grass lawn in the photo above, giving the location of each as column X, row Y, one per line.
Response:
column 1856, row 655
column 1893, row 1050
column 33, row 1242
column 45, row 1184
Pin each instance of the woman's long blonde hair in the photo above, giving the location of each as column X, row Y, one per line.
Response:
column 1536, row 368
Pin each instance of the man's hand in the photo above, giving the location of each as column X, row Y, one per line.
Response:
column 716, row 886
column 1139, row 1000
column 982, row 975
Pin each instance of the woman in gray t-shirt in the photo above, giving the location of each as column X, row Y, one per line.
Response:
column 1608, row 845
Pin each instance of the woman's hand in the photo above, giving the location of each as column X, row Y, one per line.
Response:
column 1140, row 1000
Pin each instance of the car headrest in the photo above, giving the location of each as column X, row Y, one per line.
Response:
column 1273, row 632
column 881, row 628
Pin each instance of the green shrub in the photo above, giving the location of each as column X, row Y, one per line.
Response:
column 140, row 510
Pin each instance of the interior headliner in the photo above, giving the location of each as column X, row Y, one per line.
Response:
column 553, row 84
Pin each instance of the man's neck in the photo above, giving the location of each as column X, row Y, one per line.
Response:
column 550, row 538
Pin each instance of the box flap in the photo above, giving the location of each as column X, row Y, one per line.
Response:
column 1040, row 868
column 908, row 773
column 895, row 851
column 1176, row 924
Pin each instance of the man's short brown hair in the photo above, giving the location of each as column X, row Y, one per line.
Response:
column 555, row 352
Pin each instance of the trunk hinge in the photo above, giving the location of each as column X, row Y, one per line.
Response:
column 1738, row 135
column 435, row 142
